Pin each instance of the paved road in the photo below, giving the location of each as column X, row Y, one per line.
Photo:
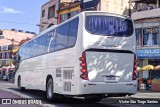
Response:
column 5, row 95
column 70, row 102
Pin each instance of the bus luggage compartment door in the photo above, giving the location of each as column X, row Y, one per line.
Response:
column 111, row 66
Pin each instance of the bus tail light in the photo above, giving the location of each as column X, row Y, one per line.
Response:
column 134, row 69
column 83, row 64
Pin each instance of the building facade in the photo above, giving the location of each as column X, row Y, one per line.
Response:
column 68, row 10
column 113, row 6
column 48, row 15
column 65, row 9
column 146, row 16
column 12, row 40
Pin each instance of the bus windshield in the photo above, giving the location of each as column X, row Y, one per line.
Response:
column 109, row 25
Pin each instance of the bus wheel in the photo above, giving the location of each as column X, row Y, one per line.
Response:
column 20, row 88
column 92, row 100
column 49, row 89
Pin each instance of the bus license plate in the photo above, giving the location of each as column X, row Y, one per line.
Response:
column 110, row 78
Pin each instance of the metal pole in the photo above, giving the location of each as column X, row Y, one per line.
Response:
column 12, row 51
column 81, row 5
column 157, row 3
column 129, row 8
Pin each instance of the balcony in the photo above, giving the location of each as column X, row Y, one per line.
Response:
column 144, row 9
column 146, row 14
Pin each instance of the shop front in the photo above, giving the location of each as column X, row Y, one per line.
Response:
column 149, row 79
column 68, row 10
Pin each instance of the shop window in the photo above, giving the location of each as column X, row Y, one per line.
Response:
column 43, row 13
column 67, row 16
column 1, row 32
column 3, row 55
column 150, row 36
column 74, row 13
column 7, row 55
column 10, row 47
column 139, row 37
column 64, row 17
column 51, row 12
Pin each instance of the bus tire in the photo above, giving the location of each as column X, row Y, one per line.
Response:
column 49, row 89
column 20, row 88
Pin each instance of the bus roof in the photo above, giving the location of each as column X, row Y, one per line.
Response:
column 82, row 13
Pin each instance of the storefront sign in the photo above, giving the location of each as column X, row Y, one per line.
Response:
column 148, row 53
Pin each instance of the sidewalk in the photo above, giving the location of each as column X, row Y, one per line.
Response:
column 146, row 94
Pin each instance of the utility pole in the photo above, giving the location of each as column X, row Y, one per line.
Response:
column 81, row 4
column 129, row 8
column 12, row 58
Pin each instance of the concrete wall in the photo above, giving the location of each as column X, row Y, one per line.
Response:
column 115, row 6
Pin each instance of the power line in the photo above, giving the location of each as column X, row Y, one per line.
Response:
column 18, row 23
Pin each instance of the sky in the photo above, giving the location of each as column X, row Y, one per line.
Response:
column 21, row 14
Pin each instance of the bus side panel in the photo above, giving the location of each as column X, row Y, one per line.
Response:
column 34, row 69
column 61, row 66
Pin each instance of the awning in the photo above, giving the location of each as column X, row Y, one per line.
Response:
column 15, row 50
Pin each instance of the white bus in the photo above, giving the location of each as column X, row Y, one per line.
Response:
column 91, row 55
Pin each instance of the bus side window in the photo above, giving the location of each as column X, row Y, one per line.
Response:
column 73, row 30
column 21, row 53
column 52, row 40
column 48, row 37
column 34, row 47
column 41, row 45
column 61, row 37
column 28, row 50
